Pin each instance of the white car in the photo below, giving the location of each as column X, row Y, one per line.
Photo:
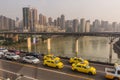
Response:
column 1, row 54
column 31, row 59
column 11, row 56
column 3, row 50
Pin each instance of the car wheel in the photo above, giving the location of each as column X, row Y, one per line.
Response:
column 32, row 62
column 23, row 61
column 57, row 67
column 90, row 73
column 44, row 64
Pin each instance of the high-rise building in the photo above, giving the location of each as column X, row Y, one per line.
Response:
column 114, row 26
column 42, row 20
column 11, row 24
column 87, row 26
column 82, row 25
column 58, row 21
column 34, row 20
column 29, row 18
column 6, row 23
column 96, row 26
column 69, row 26
column 104, row 26
column 62, row 22
column 50, row 21
column 55, row 22
column 26, row 18
column 75, row 25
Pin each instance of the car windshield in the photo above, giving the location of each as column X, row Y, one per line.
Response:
column 87, row 66
column 12, row 54
column 57, row 61
column 32, row 58
column 81, row 59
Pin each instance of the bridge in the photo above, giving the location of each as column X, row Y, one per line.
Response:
column 101, row 34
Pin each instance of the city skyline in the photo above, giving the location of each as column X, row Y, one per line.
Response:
column 72, row 9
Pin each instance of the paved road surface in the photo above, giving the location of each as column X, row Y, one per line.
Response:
column 13, row 69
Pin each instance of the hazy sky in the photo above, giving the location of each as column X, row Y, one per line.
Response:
column 90, row 9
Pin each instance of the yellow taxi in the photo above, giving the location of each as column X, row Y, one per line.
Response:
column 77, row 59
column 53, row 63
column 50, row 56
column 84, row 68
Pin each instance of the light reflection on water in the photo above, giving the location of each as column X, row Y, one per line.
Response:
column 89, row 47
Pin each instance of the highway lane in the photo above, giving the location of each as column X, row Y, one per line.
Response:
column 46, row 73
column 39, row 72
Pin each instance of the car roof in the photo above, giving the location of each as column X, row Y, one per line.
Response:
column 82, row 64
column 29, row 56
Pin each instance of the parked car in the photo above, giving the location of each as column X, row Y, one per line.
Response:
column 15, row 51
column 84, row 68
column 77, row 59
column 50, row 56
column 37, row 55
column 53, row 63
column 3, row 50
column 11, row 56
column 113, row 73
column 31, row 59
column 1, row 54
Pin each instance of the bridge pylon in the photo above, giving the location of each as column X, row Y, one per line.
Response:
column 112, row 41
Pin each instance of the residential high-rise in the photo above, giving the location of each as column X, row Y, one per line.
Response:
column 69, row 26
column 82, row 25
column 96, row 26
column 62, row 22
column 26, row 18
column 87, row 26
column 7, row 23
column 104, row 25
column 58, row 21
column 75, row 25
column 34, row 20
column 114, row 26
column 29, row 18
column 55, row 22
column 11, row 24
column 42, row 19
column 50, row 21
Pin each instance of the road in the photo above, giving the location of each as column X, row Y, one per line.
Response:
column 13, row 69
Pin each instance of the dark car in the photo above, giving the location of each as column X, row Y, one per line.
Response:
column 37, row 55
column 15, row 51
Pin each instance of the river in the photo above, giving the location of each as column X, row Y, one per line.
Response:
column 89, row 47
column 92, row 48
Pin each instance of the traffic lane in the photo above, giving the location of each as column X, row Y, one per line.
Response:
column 66, row 69
column 100, row 67
column 11, row 75
column 42, row 73
column 99, row 76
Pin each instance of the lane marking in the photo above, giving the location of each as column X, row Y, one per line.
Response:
column 17, row 74
column 32, row 66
